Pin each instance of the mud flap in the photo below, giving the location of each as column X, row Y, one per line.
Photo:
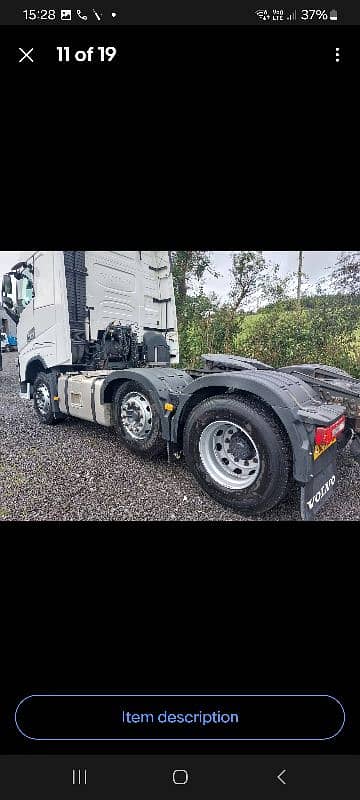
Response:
column 355, row 448
column 317, row 491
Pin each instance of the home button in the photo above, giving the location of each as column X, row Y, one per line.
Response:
column 180, row 776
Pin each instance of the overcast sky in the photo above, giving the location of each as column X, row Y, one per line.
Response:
column 314, row 263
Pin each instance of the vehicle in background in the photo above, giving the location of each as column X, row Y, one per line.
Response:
column 12, row 342
column 5, row 346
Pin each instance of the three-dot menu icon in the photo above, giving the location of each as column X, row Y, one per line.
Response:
column 337, row 54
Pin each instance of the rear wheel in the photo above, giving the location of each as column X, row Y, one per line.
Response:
column 239, row 453
column 137, row 419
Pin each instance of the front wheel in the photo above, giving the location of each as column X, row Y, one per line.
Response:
column 238, row 453
column 42, row 399
column 137, row 419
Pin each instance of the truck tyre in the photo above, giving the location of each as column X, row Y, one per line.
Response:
column 238, row 453
column 137, row 419
column 42, row 399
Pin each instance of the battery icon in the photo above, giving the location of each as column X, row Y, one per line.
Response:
column 333, row 14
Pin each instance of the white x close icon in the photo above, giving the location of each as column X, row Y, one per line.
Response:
column 26, row 54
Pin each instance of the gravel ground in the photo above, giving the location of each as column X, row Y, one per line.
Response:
column 80, row 471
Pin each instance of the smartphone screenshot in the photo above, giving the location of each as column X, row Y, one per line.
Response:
column 179, row 419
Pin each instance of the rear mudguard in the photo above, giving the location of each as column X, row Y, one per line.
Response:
column 317, row 371
column 296, row 404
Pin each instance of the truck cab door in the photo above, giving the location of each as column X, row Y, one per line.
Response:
column 37, row 324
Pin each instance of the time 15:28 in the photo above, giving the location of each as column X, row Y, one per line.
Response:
column 39, row 13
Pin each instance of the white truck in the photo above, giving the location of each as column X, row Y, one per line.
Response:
column 97, row 340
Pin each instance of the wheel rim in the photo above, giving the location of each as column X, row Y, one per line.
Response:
column 229, row 455
column 42, row 397
column 136, row 415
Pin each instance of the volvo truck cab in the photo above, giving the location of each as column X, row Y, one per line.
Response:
column 90, row 309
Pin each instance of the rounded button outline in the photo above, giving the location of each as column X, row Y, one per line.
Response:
column 180, row 739
column 184, row 772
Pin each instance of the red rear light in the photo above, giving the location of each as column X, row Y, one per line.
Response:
column 327, row 435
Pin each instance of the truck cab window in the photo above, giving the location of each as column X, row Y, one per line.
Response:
column 24, row 291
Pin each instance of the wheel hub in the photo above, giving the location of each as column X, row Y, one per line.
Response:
column 229, row 455
column 239, row 446
column 43, row 399
column 136, row 415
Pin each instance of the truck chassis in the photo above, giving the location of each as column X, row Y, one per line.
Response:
column 247, row 431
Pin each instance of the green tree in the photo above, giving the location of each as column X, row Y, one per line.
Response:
column 188, row 264
column 346, row 273
column 194, row 327
column 194, row 309
column 247, row 268
column 273, row 288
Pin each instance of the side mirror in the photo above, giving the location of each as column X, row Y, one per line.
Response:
column 6, row 285
column 7, row 298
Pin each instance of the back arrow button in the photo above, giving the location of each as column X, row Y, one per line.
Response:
column 280, row 778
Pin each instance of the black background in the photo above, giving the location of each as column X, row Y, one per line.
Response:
column 236, row 612
column 195, row 137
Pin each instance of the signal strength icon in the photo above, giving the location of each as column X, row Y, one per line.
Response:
column 263, row 14
column 291, row 17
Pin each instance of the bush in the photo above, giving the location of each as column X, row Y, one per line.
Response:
column 325, row 329
column 204, row 327
column 320, row 331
